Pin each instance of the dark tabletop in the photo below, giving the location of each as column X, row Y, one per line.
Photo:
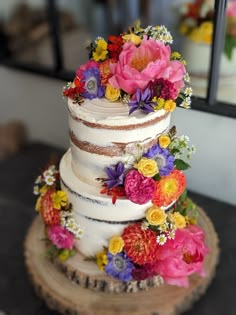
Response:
column 17, row 296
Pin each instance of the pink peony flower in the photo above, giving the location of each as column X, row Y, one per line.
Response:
column 61, row 237
column 138, row 188
column 137, row 66
column 183, row 256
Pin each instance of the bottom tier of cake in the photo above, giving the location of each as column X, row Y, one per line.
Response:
column 63, row 286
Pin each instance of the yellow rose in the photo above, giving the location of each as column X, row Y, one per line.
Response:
column 112, row 94
column 116, row 245
column 147, row 167
column 132, row 38
column 156, row 216
column 169, row 106
column 101, row 259
column 178, row 219
column 164, row 141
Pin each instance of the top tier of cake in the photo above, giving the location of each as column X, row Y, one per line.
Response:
column 102, row 133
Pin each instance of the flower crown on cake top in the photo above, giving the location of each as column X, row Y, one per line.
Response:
column 196, row 22
column 136, row 68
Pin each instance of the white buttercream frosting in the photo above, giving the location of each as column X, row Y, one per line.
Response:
column 101, row 111
column 90, row 161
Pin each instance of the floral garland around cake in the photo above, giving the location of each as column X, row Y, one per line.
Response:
column 52, row 203
column 196, row 23
column 136, row 68
column 165, row 243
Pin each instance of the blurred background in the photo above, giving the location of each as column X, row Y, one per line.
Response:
column 43, row 42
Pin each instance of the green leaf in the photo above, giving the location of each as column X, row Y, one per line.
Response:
column 157, row 177
column 230, row 44
column 175, row 151
column 181, row 165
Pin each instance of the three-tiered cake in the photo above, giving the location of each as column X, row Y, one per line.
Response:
column 119, row 197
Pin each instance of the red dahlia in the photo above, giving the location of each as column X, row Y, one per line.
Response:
column 114, row 46
column 140, row 245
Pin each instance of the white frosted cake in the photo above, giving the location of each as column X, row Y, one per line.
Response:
column 119, row 197
column 102, row 133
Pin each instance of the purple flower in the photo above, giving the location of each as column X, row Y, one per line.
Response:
column 115, row 175
column 119, row 267
column 165, row 161
column 91, row 79
column 142, row 101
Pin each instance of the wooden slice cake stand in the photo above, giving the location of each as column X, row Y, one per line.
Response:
column 59, row 287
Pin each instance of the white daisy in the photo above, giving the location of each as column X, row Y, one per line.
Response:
column 161, row 239
column 47, row 173
column 188, row 91
column 171, row 235
column 49, row 180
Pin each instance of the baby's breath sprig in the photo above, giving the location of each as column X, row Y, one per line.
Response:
column 68, row 221
column 159, row 33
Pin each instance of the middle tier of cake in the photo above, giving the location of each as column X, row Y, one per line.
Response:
column 94, row 212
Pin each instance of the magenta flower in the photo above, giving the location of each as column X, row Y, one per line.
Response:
column 183, row 256
column 144, row 272
column 138, row 188
column 137, row 66
column 61, row 237
column 163, row 88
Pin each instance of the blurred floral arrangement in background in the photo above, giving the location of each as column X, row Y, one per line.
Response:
column 196, row 23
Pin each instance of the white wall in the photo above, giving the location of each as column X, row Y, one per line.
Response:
column 37, row 101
